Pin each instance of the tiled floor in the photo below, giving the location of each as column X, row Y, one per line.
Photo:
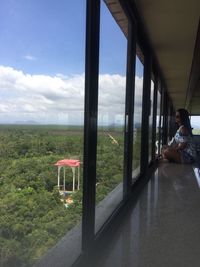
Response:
column 163, row 228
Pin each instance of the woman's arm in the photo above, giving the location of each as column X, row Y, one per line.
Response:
column 182, row 145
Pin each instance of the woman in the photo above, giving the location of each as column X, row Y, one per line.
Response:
column 182, row 149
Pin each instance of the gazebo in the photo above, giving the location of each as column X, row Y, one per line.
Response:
column 74, row 164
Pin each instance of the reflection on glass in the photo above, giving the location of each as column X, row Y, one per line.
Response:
column 111, row 114
column 158, row 123
column 137, row 118
column 151, row 120
column 41, row 123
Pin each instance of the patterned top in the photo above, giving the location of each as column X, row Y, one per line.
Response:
column 185, row 138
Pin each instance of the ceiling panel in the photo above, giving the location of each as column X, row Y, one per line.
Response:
column 171, row 27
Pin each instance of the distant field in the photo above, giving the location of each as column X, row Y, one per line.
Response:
column 41, row 126
column 196, row 131
column 60, row 130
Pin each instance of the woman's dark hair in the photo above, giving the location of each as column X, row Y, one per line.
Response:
column 185, row 120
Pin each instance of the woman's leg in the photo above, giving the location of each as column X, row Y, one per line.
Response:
column 163, row 149
column 172, row 155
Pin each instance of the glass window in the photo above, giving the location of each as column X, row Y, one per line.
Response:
column 162, row 118
column 168, row 121
column 195, row 123
column 41, row 122
column 158, row 118
column 172, row 123
column 151, row 120
column 111, row 117
column 137, row 118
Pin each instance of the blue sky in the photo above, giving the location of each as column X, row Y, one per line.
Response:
column 48, row 37
column 42, row 36
column 42, row 60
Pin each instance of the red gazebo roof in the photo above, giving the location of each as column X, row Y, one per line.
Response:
column 68, row 162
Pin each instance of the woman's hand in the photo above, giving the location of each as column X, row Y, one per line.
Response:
column 181, row 146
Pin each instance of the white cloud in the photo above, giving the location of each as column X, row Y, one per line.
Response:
column 29, row 57
column 59, row 98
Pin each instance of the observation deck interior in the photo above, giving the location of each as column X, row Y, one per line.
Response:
column 162, row 227
column 159, row 225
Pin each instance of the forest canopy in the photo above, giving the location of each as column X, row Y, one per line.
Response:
column 33, row 215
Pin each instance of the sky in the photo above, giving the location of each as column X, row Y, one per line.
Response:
column 42, row 60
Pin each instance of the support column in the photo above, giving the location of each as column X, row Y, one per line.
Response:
column 78, row 177
column 73, row 171
column 64, row 179
column 58, row 177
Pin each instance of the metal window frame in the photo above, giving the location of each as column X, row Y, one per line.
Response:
column 90, row 122
column 155, row 97
column 145, row 110
column 166, row 118
column 171, row 122
column 129, row 108
column 91, row 111
column 159, row 123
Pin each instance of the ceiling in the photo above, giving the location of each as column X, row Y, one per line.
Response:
column 171, row 27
